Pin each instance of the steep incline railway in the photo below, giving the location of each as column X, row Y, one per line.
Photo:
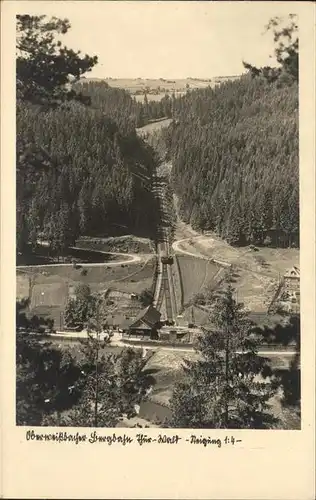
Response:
column 164, row 293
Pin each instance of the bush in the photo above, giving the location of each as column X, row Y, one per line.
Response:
column 146, row 297
column 84, row 272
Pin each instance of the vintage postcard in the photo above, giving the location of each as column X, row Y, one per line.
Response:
column 157, row 249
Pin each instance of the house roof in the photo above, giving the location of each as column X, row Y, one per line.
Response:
column 148, row 316
column 294, row 272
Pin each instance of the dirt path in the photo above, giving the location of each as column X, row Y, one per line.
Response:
column 177, row 247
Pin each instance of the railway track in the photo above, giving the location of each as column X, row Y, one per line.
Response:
column 164, row 293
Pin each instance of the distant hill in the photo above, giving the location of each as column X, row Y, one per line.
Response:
column 162, row 85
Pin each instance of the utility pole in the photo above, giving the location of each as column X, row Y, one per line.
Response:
column 226, row 374
column 96, row 402
column 96, row 384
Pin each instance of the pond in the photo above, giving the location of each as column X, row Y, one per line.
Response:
column 41, row 256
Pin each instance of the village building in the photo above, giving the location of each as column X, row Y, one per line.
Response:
column 115, row 321
column 146, row 323
column 287, row 298
column 292, row 279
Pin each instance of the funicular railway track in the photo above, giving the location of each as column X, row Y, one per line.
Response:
column 164, row 293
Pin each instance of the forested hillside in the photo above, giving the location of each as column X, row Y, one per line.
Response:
column 81, row 168
column 122, row 107
column 235, row 154
column 92, row 178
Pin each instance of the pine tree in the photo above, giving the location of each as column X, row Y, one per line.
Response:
column 44, row 67
column 44, row 375
column 223, row 389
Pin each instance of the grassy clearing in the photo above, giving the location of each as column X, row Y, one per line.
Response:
column 256, row 272
column 195, row 274
column 50, row 287
column 268, row 261
column 154, row 127
column 98, row 277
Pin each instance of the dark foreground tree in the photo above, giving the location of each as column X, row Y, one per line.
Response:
column 45, row 72
column 45, row 380
column 44, row 67
column 225, row 387
column 112, row 386
column 91, row 389
column 285, row 36
column 88, row 386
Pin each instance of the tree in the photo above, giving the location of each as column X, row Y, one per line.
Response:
column 232, row 148
column 79, row 173
column 44, row 67
column 223, row 389
column 97, row 389
column 81, row 309
column 45, row 72
column 146, row 297
column 44, row 376
column 112, row 386
column 285, row 35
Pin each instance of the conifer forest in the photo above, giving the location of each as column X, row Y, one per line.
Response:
column 157, row 240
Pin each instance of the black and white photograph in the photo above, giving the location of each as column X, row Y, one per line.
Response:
column 157, row 216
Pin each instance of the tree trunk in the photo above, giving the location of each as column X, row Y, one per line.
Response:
column 226, row 376
column 96, row 387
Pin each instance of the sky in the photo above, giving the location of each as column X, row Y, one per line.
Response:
column 166, row 39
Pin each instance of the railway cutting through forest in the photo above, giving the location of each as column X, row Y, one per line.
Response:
column 168, row 294
column 164, row 296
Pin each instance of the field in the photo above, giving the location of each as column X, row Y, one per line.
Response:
column 134, row 85
column 195, row 275
column 48, row 288
column 256, row 272
column 157, row 88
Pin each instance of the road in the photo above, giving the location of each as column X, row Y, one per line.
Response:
column 177, row 248
column 117, row 342
column 128, row 259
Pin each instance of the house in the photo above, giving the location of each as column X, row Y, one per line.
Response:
column 292, row 279
column 115, row 321
column 287, row 295
column 146, row 323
